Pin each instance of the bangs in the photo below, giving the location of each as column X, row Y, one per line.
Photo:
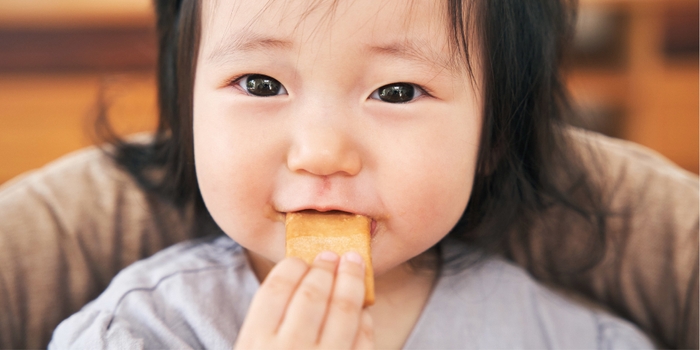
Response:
column 459, row 17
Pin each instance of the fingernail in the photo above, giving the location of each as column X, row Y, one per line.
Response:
column 354, row 257
column 327, row 256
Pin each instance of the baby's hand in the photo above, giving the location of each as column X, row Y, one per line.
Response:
column 317, row 307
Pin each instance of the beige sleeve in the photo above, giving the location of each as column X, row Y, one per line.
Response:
column 65, row 231
column 649, row 272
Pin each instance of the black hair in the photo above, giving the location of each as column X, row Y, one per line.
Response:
column 526, row 163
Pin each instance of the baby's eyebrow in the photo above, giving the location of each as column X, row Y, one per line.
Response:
column 245, row 41
column 412, row 51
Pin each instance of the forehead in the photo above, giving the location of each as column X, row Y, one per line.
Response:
column 416, row 29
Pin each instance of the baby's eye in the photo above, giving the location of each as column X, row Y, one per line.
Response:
column 261, row 85
column 397, row 93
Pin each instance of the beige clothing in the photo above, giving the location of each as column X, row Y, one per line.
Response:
column 68, row 228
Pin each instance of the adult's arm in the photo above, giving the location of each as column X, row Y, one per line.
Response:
column 65, row 231
column 649, row 271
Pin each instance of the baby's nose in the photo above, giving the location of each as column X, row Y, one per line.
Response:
column 323, row 151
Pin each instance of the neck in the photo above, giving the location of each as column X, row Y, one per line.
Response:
column 401, row 295
column 261, row 266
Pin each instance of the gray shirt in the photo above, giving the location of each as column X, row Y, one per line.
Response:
column 196, row 294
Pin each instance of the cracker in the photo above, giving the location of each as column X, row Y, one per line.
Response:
column 310, row 233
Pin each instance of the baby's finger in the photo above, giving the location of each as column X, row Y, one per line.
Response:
column 307, row 308
column 365, row 335
column 344, row 311
column 270, row 302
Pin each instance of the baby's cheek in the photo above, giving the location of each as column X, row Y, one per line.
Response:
column 238, row 206
column 236, row 170
column 423, row 208
column 434, row 192
column 438, row 208
column 236, row 187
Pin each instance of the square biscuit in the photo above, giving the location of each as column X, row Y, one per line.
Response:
column 310, row 233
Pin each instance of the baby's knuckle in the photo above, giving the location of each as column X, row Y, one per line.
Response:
column 291, row 266
column 280, row 283
column 353, row 270
column 323, row 274
column 313, row 292
column 346, row 305
column 355, row 280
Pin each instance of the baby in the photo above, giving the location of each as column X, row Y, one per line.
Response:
column 438, row 120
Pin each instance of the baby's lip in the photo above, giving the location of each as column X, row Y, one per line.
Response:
column 322, row 209
column 334, row 211
column 281, row 214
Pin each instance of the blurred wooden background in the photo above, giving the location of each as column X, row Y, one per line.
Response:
column 56, row 57
column 634, row 74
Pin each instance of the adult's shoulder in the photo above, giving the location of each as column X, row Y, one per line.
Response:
column 649, row 268
column 65, row 230
column 85, row 196
column 610, row 158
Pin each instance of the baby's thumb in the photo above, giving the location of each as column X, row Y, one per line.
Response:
column 365, row 334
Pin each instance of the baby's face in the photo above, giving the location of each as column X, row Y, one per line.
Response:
column 358, row 108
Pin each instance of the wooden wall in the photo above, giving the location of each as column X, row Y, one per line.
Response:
column 56, row 59
column 646, row 82
column 46, row 115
